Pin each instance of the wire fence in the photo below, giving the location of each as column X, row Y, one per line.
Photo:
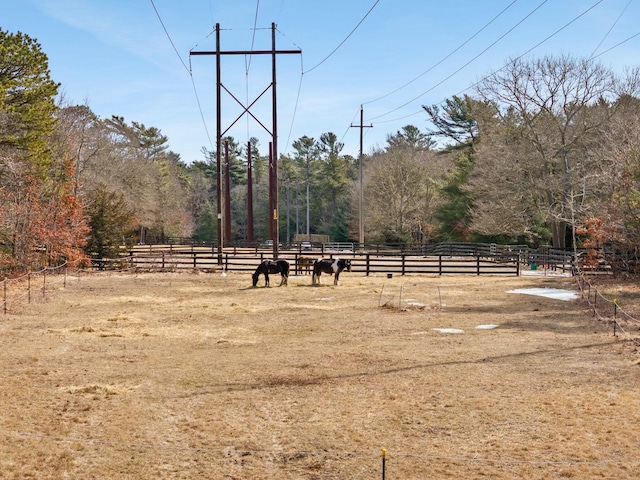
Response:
column 608, row 310
column 32, row 285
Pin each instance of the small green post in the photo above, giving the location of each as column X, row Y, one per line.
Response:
column 384, row 456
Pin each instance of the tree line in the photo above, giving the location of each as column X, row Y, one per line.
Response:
column 543, row 151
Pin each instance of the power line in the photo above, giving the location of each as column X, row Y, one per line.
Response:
column 169, row 37
column 295, row 107
column 253, row 36
column 617, row 45
column 188, row 69
column 446, row 57
column 469, row 62
column 346, row 38
column 248, row 62
column 505, row 65
column 612, row 27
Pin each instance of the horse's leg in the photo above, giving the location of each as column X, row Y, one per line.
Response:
column 266, row 278
column 284, row 273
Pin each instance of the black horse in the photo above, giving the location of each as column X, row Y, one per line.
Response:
column 331, row 266
column 271, row 266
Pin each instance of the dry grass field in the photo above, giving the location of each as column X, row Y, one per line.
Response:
column 201, row 376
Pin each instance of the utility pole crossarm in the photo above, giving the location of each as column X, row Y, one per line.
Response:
column 246, row 52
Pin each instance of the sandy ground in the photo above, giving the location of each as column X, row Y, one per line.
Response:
column 181, row 376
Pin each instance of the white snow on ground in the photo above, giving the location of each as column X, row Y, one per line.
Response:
column 557, row 293
column 448, row 330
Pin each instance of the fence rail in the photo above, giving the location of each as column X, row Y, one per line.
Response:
column 194, row 259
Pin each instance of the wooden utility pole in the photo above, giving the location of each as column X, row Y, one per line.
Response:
column 227, row 194
column 249, row 194
column 361, row 127
column 273, row 216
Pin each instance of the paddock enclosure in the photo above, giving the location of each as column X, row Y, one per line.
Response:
column 479, row 259
column 199, row 375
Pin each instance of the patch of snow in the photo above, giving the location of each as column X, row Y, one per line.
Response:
column 556, row 293
column 487, row 327
column 448, row 330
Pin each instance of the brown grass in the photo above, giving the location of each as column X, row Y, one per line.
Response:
column 184, row 376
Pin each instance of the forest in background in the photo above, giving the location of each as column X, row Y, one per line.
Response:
column 545, row 151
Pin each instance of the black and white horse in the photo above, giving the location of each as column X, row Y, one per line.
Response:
column 271, row 266
column 332, row 266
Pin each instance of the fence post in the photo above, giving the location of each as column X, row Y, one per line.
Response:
column 195, row 262
column 439, row 264
column 29, row 287
column 384, row 456
column 403, row 260
column 44, row 282
column 4, row 298
column 368, row 266
column 478, row 265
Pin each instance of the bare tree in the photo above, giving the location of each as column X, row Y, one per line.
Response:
column 552, row 112
column 401, row 193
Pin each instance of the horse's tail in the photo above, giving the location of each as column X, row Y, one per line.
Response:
column 284, row 271
column 284, row 267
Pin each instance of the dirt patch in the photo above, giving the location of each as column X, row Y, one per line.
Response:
column 202, row 376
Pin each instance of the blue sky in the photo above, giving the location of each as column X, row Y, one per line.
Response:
column 116, row 56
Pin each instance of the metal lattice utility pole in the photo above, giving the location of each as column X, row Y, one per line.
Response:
column 362, row 126
column 273, row 215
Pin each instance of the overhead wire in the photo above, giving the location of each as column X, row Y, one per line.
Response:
column 486, row 25
column 345, row 39
column 609, row 31
column 169, row 36
column 303, row 72
column 295, row 107
column 618, row 44
column 248, row 62
column 188, row 69
column 253, row 37
column 503, row 67
column 467, row 63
